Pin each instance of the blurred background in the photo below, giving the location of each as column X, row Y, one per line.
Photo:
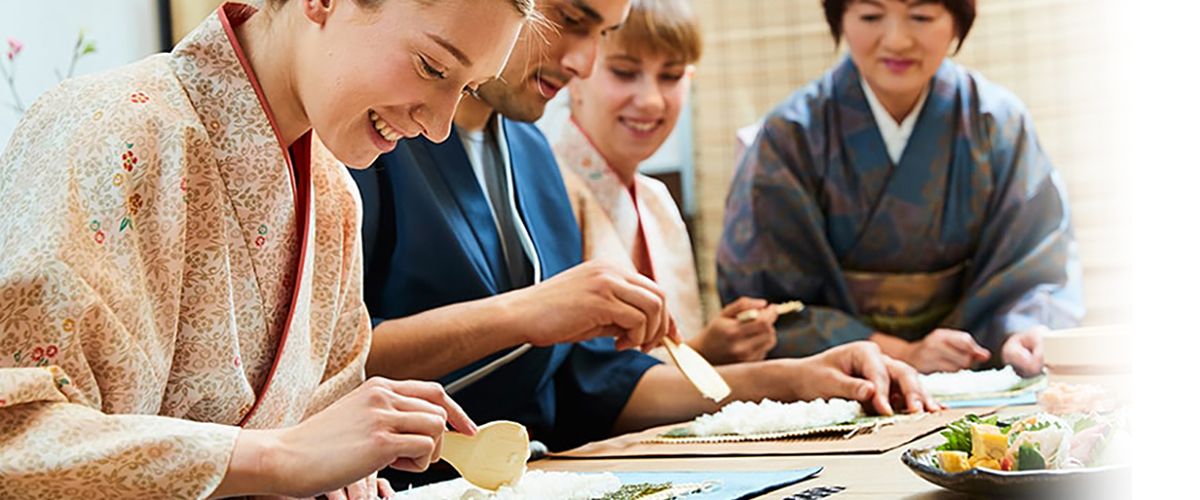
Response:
column 1064, row 58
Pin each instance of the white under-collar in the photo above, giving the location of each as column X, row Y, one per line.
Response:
column 895, row 135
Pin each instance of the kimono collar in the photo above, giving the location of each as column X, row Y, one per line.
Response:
column 578, row 153
column 213, row 70
column 895, row 135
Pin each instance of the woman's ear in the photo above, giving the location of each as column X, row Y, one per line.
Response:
column 318, row 11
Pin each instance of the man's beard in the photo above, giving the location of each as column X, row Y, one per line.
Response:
column 516, row 103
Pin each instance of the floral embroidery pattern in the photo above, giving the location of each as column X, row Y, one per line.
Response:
column 262, row 235
column 99, row 233
column 39, row 356
column 128, row 159
column 139, row 98
column 183, row 187
column 133, row 204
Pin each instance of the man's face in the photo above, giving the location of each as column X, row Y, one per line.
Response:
column 546, row 58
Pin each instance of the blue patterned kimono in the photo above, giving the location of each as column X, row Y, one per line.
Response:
column 971, row 230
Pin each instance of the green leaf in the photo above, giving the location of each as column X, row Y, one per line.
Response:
column 1028, row 458
column 958, row 432
column 1083, row 423
column 89, row 48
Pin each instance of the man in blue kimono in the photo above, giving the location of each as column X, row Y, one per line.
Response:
column 473, row 275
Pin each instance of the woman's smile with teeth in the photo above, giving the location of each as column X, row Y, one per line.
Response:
column 386, row 131
column 640, row 126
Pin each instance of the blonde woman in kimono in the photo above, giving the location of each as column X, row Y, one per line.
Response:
column 180, row 270
column 620, row 116
column 905, row 199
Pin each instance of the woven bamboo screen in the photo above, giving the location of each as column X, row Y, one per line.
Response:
column 1056, row 55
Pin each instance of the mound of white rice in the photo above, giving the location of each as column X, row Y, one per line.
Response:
column 534, row 485
column 967, row 382
column 745, row 418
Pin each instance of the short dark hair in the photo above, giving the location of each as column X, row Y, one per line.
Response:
column 963, row 12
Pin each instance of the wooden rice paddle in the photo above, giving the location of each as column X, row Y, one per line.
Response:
column 698, row 371
column 493, row 457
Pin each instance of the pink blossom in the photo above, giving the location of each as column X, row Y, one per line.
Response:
column 14, row 47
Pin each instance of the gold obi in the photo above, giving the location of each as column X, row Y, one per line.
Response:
column 907, row 305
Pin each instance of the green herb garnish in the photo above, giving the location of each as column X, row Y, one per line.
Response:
column 1028, row 458
column 958, row 433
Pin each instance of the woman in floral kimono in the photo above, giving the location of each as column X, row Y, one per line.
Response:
column 620, row 116
column 905, row 200
column 180, row 270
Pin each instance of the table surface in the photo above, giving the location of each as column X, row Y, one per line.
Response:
column 865, row 476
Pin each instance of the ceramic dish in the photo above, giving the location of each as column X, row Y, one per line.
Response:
column 1071, row 483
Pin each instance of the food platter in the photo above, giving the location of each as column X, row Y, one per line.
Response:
column 1054, row 483
column 1082, row 455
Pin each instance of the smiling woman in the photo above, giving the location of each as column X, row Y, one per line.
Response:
column 922, row 213
column 192, row 299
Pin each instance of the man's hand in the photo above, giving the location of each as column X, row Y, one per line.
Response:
column 727, row 340
column 860, row 371
column 594, row 299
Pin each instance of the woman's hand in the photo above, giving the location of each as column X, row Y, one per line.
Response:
column 1024, row 351
column 944, row 350
column 726, row 340
column 381, row 423
column 371, row 488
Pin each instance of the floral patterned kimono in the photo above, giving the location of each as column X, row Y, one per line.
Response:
column 169, row 272
column 611, row 215
column 969, row 230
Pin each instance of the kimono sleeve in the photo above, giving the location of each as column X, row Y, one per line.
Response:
column 591, row 389
column 90, row 258
column 774, row 247
column 1026, row 270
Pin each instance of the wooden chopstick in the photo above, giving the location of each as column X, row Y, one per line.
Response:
column 781, row 308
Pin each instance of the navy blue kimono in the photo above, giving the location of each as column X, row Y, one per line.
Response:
column 430, row 240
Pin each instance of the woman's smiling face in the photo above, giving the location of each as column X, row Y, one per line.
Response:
column 898, row 46
column 631, row 103
column 395, row 70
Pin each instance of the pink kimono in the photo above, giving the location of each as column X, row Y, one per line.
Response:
column 169, row 271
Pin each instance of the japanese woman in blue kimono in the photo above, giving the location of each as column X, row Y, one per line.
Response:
column 905, row 200
column 181, row 313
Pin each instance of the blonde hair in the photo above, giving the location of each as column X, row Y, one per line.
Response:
column 666, row 27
